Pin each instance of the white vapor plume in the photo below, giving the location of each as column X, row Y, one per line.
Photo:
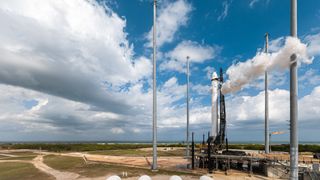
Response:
column 243, row 73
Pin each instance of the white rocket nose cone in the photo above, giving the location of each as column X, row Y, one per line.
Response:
column 214, row 75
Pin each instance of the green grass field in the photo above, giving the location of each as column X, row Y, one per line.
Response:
column 19, row 156
column 25, row 171
column 25, row 153
column 65, row 147
column 139, row 152
column 77, row 165
column 81, row 147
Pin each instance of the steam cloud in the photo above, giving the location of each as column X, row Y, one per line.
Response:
column 243, row 73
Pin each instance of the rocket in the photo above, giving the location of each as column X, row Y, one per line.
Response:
column 214, row 106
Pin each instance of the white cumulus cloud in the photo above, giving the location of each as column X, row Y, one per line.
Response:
column 171, row 16
column 198, row 53
column 251, row 108
column 313, row 42
column 71, row 49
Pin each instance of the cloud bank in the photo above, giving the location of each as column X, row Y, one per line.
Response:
column 71, row 49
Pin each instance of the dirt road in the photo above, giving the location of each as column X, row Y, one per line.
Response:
column 142, row 162
column 59, row 175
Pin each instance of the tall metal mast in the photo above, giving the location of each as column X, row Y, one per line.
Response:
column 266, row 121
column 187, row 139
column 154, row 113
column 293, row 100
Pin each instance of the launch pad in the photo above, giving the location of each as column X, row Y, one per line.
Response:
column 215, row 155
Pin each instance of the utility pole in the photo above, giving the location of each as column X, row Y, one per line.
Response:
column 154, row 112
column 187, row 139
column 266, row 117
column 293, row 100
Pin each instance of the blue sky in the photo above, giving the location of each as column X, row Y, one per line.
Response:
column 81, row 70
column 239, row 34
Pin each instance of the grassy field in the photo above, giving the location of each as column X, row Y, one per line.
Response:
column 81, row 147
column 64, row 147
column 77, row 165
column 22, row 153
column 19, row 156
column 139, row 152
column 25, row 171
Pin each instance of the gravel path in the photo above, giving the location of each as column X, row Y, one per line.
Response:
column 59, row 175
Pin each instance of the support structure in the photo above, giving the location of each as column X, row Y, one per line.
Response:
column 187, row 138
column 192, row 151
column 293, row 100
column 266, row 117
column 203, row 142
column 210, row 168
column 154, row 113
